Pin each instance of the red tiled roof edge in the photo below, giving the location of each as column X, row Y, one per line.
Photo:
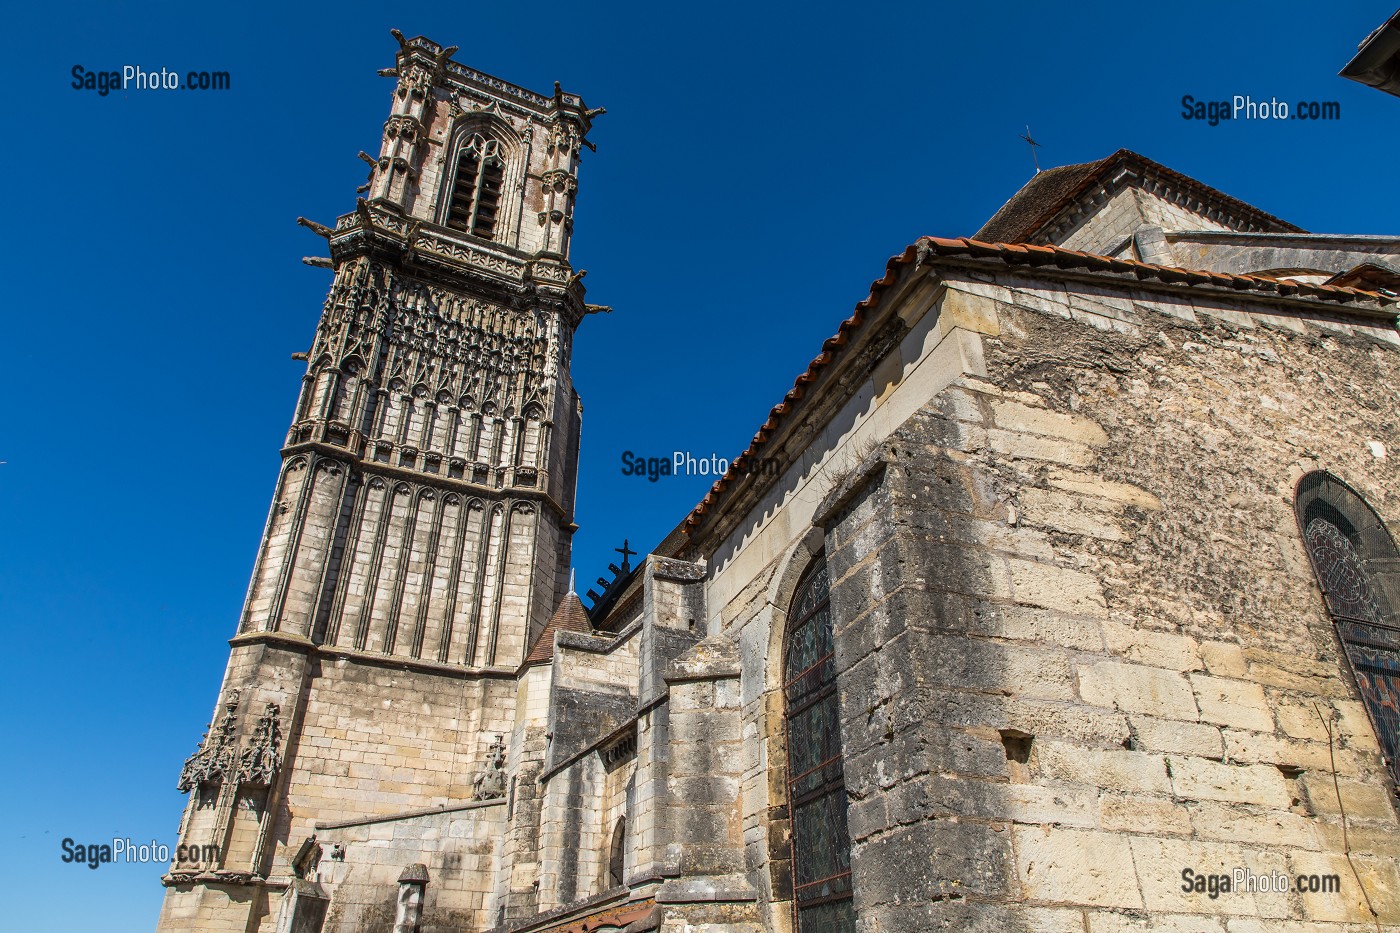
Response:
column 830, row 348
column 1011, row 254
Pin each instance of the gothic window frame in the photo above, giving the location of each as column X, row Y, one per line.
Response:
column 1353, row 557
column 491, row 142
column 815, row 785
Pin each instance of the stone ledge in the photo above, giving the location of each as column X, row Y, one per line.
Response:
column 706, row 889
column 681, row 571
column 704, row 661
column 408, row 814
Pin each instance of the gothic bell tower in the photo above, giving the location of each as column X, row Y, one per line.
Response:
column 419, row 535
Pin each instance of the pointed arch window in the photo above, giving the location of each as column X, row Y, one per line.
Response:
column 617, row 854
column 476, row 187
column 821, row 845
column 1358, row 569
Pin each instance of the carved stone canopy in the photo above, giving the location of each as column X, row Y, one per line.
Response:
column 220, row 759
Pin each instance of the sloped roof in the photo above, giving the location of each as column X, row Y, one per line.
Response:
column 1039, row 197
column 1049, row 192
column 1375, row 275
column 1359, row 301
column 569, row 617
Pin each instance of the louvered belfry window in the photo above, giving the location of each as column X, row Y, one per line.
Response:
column 1358, row 570
column 476, row 188
column 821, row 845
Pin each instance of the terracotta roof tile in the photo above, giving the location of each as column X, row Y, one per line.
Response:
column 569, row 617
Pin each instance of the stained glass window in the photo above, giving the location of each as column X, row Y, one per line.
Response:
column 821, row 845
column 1354, row 558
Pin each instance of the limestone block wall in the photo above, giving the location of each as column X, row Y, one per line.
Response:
column 1080, row 644
column 593, row 691
column 378, row 740
column 215, row 908
column 702, row 819
column 517, row 891
column 361, row 862
column 753, row 573
column 359, row 740
column 572, row 834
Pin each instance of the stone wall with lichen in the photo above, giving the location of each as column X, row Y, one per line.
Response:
column 1081, row 648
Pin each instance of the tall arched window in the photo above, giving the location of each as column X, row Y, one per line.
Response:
column 617, row 854
column 1358, row 569
column 476, row 188
column 821, row 844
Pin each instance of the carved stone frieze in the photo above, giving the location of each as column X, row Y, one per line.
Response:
column 409, row 333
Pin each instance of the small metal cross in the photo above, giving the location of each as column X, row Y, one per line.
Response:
column 626, row 553
column 1034, row 146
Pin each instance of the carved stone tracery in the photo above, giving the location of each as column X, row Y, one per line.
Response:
column 219, row 758
column 216, row 758
column 420, row 334
column 258, row 763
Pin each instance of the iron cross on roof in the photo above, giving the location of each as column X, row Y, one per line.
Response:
column 626, row 553
column 1034, row 146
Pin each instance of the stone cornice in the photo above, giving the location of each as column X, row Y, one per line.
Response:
column 438, row 253
column 426, row 53
column 303, row 645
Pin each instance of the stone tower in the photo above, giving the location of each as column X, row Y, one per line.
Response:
column 419, row 535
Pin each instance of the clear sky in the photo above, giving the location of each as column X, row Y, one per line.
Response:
column 757, row 165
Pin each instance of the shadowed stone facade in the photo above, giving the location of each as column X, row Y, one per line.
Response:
column 1048, row 487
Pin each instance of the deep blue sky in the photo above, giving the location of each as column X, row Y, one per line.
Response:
column 756, row 167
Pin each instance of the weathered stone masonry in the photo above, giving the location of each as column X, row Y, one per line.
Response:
column 1076, row 641
column 1094, row 548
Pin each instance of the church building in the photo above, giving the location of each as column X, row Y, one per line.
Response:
column 1071, row 606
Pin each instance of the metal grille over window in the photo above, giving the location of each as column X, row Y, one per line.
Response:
column 1358, row 569
column 821, row 846
column 476, row 192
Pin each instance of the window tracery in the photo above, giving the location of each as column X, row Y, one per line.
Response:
column 821, row 846
column 1356, row 563
column 476, row 187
